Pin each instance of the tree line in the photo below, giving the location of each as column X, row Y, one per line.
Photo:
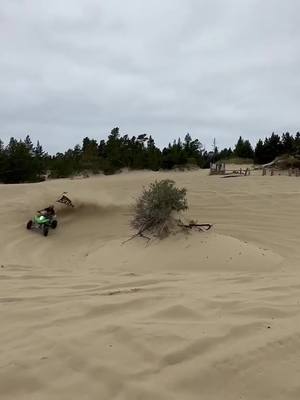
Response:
column 22, row 161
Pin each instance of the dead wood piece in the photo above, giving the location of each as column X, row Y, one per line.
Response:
column 140, row 233
column 191, row 225
column 200, row 227
column 232, row 176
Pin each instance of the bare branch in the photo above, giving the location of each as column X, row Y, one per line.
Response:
column 200, row 227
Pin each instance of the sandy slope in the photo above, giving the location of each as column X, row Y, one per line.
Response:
column 208, row 316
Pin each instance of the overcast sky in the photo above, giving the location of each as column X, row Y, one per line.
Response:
column 213, row 68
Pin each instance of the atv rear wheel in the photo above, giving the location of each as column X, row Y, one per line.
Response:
column 45, row 230
column 29, row 224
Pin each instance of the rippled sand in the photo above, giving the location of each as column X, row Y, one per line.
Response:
column 211, row 315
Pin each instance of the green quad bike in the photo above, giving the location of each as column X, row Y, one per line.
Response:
column 42, row 222
column 45, row 222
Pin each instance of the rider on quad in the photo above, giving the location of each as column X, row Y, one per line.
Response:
column 46, row 218
column 43, row 220
column 47, row 212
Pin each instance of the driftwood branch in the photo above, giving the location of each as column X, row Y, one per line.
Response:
column 191, row 225
column 139, row 234
column 200, row 227
column 232, row 176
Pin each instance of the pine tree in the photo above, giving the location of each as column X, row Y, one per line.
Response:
column 288, row 143
column 243, row 149
column 89, row 153
column 153, row 155
column 113, row 147
column 20, row 162
column 259, row 154
column 297, row 143
column 2, row 160
column 272, row 147
column 39, row 160
column 29, row 145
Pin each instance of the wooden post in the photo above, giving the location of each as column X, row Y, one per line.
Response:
column 264, row 171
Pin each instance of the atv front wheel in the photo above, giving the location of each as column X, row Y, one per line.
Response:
column 45, row 230
column 54, row 224
column 29, row 224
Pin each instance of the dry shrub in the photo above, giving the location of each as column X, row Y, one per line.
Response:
column 156, row 208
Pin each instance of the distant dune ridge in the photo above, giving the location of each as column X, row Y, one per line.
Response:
column 212, row 315
column 285, row 161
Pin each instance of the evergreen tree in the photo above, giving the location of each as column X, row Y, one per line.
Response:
column 2, row 161
column 19, row 165
column 259, row 155
column 243, row 149
column 89, row 154
column 113, row 148
column 29, row 145
column 297, row 143
column 272, row 147
column 224, row 154
column 153, row 155
column 21, row 161
column 288, row 142
column 39, row 160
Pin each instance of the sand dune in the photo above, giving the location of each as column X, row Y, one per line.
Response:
column 205, row 316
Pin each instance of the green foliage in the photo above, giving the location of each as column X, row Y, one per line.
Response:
column 19, row 162
column 224, row 154
column 259, row 152
column 179, row 153
column 274, row 146
column 237, row 160
column 22, row 161
column 243, row 149
column 154, row 209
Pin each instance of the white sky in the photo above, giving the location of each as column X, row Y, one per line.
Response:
column 213, row 68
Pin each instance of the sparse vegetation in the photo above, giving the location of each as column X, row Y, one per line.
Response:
column 22, row 161
column 237, row 160
column 156, row 211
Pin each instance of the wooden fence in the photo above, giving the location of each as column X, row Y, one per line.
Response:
column 220, row 169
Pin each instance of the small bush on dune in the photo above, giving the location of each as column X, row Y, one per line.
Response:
column 157, row 206
column 156, row 211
